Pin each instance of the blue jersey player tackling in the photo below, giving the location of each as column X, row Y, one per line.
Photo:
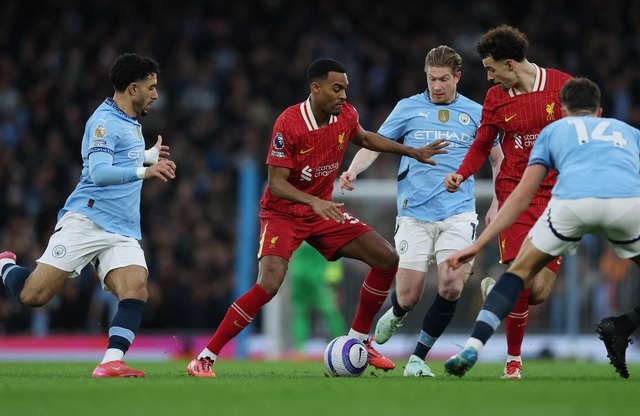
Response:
column 597, row 192
column 100, row 222
column 432, row 223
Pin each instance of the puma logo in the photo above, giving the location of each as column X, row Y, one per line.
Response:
column 303, row 151
column 507, row 119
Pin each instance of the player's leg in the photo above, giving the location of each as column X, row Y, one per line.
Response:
column 450, row 234
column 414, row 243
column 279, row 238
column 271, row 273
column 375, row 251
column 498, row 304
column 438, row 317
column 70, row 248
column 31, row 288
column 615, row 331
column 129, row 284
column 516, row 322
column 122, row 269
column 405, row 296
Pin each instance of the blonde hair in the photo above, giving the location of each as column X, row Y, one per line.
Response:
column 444, row 57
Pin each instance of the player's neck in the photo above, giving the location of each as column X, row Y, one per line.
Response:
column 322, row 117
column 124, row 105
column 526, row 74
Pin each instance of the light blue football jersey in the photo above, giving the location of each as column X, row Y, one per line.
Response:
column 595, row 157
column 116, row 208
column 416, row 121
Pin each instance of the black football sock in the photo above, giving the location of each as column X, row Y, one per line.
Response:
column 434, row 323
column 14, row 277
column 398, row 312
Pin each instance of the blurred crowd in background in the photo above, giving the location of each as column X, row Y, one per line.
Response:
column 228, row 68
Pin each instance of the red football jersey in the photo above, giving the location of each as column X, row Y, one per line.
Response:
column 520, row 116
column 313, row 154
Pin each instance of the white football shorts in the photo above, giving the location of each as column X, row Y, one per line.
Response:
column 78, row 241
column 559, row 229
column 421, row 243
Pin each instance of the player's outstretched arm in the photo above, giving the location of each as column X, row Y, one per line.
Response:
column 515, row 204
column 495, row 158
column 361, row 161
column 378, row 143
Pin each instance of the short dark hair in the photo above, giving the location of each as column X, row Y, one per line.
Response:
column 580, row 94
column 131, row 67
column 320, row 68
column 503, row 42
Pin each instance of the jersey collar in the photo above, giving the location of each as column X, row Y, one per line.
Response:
column 309, row 118
column 538, row 83
column 109, row 101
column 428, row 97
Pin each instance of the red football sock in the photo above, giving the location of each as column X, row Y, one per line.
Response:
column 373, row 293
column 239, row 315
column 516, row 324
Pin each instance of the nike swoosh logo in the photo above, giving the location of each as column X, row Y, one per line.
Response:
column 114, row 368
column 506, row 119
column 237, row 324
column 303, row 151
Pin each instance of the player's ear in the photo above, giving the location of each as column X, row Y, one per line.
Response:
column 509, row 64
column 599, row 114
column 315, row 87
column 564, row 111
column 133, row 88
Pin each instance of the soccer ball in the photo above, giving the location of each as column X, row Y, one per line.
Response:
column 346, row 357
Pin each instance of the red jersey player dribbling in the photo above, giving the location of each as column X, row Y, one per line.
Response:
column 308, row 143
column 525, row 99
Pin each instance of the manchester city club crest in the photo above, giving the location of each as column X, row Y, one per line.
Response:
column 403, row 246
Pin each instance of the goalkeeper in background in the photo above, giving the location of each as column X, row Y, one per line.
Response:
column 312, row 286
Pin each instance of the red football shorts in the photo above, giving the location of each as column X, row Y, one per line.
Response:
column 512, row 238
column 281, row 234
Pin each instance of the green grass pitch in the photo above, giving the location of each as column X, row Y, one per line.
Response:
column 302, row 388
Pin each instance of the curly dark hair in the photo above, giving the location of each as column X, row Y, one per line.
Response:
column 503, row 42
column 131, row 67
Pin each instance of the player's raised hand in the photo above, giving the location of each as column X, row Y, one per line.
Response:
column 164, row 170
column 328, row 210
column 163, row 150
column 345, row 181
column 452, row 182
column 424, row 154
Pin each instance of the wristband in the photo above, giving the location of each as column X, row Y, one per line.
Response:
column 140, row 172
column 151, row 156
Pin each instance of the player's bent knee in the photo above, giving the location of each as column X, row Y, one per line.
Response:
column 450, row 293
column 34, row 299
column 537, row 298
column 389, row 260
